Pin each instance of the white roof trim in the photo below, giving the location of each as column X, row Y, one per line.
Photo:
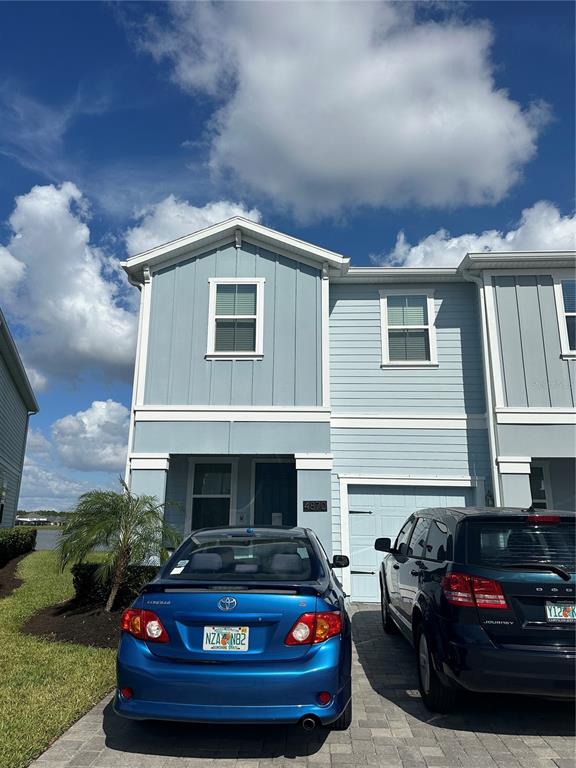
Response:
column 518, row 260
column 205, row 237
column 398, row 275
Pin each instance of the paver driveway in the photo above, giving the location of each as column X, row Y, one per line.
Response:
column 391, row 728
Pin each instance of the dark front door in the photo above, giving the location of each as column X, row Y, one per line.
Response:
column 275, row 493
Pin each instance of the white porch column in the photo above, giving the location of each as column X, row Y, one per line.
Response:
column 148, row 473
column 514, row 474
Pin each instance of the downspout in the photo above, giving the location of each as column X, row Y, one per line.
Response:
column 487, row 368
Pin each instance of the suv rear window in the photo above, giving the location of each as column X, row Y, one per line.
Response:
column 505, row 542
column 247, row 558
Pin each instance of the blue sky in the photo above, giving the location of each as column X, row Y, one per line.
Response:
column 343, row 124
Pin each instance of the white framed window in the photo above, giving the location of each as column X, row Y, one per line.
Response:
column 565, row 290
column 236, row 317
column 407, row 325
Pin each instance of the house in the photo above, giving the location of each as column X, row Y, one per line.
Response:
column 17, row 403
column 276, row 384
column 529, row 308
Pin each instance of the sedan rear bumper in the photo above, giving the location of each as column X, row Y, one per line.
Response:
column 502, row 670
column 234, row 692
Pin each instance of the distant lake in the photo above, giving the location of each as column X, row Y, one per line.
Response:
column 47, row 538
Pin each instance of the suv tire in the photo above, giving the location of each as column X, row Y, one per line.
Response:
column 387, row 621
column 437, row 696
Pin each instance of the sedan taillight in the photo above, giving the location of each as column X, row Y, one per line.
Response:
column 144, row 625
column 464, row 590
column 313, row 628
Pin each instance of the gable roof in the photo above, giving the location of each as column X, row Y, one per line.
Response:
column 9, row 353
column 232, row 228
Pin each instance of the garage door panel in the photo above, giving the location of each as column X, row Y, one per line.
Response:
column 385, row 510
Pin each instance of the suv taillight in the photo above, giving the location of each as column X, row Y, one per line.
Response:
column 144, row 625
column 314, row 628
column 473, row 591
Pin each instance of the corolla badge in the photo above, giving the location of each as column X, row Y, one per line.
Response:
column 227, row 603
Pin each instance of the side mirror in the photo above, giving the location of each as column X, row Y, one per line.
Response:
column 383, row 545
column 340, row 561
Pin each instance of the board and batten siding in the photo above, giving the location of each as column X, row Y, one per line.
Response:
column 360, row 383
column 289, row 374
column 533, row 373
column 13, row 428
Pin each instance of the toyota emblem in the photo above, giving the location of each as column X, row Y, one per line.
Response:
column 227, row 603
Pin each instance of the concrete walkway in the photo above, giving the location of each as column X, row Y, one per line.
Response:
column 391, row 728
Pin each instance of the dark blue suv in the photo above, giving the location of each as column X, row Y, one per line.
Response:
column 487, row 597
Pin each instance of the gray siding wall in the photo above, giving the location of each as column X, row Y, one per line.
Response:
column 533, row 373
column 424, row 452
column 13, row 428
column 359, row 383
column 290, row 372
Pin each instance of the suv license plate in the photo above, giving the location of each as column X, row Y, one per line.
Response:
column 561, row 612
column 225, row 639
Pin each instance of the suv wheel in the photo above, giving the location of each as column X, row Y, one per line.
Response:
column 437, row 696
column 387, row 622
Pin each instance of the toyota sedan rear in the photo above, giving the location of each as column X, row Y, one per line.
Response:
column 240, row 626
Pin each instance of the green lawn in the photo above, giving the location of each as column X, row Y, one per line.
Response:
column 44, row 686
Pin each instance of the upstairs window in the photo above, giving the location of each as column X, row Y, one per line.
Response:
column 569, row 316
column 408, row 333
column 235, row 317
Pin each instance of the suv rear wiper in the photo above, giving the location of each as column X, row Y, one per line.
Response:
column 539, row 567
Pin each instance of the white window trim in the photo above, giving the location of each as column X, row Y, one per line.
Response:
column 430, row 327
column 565, row 352
column 190, row 495
column 258, row 353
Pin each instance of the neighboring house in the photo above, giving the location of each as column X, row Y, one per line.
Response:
column 275, row 384
column 17, row 403
column 529, row 302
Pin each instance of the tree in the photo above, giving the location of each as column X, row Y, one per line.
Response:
column 126, row 527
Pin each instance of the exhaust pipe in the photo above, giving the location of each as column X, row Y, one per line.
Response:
column 308, row 723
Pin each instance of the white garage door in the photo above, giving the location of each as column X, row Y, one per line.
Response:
column 380, row 510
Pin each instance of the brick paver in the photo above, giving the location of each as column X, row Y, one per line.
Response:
column 391, row 728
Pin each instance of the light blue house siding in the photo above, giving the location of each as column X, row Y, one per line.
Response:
column 533, row 373
column 534, row 378
column 357, row 381
column 180, row 375
column 290, row 371
column 13, row 427
column 443, row 465
column 16, row 402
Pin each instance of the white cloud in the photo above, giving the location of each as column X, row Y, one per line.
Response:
column 46, row 488
column 94, row 439
column 37, row 445
column 330, row 105
column 64, row 291
column 172, row 218
column 541, row 228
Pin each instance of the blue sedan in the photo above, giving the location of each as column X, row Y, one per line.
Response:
column 242, row 625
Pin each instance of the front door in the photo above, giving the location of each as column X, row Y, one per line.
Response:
column 275, row 493
column 211, row 495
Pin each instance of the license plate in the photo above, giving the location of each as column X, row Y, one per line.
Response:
column 561, row 611
column 225, row 639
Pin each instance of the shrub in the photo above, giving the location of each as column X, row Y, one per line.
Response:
column 92, row 590
column 14, row 542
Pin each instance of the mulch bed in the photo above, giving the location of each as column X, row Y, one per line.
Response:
column 74, row 623
column 8, row 580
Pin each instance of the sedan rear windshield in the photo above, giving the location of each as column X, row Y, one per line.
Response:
column 230, row 559
column 506, row 542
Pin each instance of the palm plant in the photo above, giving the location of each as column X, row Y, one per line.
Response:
column 126, row 527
